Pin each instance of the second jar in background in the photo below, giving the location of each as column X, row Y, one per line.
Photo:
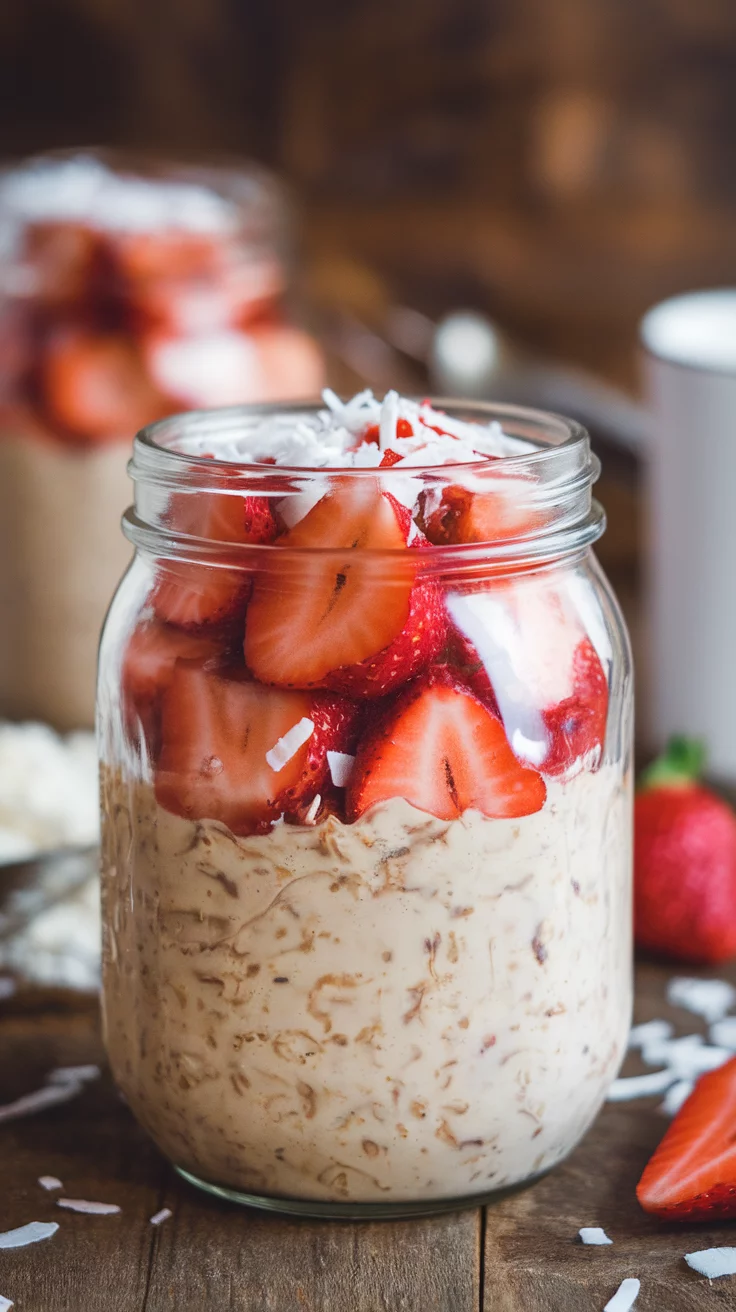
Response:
column 128, row 292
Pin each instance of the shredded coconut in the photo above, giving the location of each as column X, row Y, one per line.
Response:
column 640, row 1086
column 389, row 420
column 625, row 1296
column 592, row 1234
column 652, row 1031
column 38, row 1101
column 48, row 790
column 713, row 1262
column 340, row 765
column 73, row 1074
column 5, row 1303
column 289, row 745
column 686, row 1057
column 675, row 1096
column 723, row 1033
column 50, row 1182
column 158, row 1218
column 84, row 1205
column 311, row 813
column 32, row 1233
column 709, row 998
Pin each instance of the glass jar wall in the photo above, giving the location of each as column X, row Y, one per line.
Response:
column 127, row 292
column 365, row 738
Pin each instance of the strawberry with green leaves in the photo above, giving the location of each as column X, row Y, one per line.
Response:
column 684, row 861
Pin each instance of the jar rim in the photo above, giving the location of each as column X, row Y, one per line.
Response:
column 573, row 439
column 558, row 454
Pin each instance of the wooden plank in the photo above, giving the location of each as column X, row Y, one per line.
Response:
column 533, row 1261
column 208, row 1255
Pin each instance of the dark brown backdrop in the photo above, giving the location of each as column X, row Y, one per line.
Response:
column 561, row 162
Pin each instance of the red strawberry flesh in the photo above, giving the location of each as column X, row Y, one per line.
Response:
column 692, row 1174
column 442, row 750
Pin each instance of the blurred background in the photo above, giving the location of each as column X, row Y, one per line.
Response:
column 556, row 167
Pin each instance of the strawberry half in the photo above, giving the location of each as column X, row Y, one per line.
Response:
column 194, row 596
column 216, row 734
column 684, row 861
column 96, row 386
column 340, row 618
column 440, row 748
column 692, row 1175
column 547, row 679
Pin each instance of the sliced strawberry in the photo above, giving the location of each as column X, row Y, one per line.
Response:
column 97, row 387
column 464, row 657
column 216, row 736
column 418, row 644
column 493, row 516
column 441, row 749
column 332, row 605
column 68, row 261
column 389, row 458
column 148, row 667
column 692, row 1175
column 193, row 595
column 545, row 675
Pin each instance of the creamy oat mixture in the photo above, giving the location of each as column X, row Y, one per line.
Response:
column 399, row 1009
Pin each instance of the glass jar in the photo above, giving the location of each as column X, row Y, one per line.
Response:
column 366, row 817
column 127, row 292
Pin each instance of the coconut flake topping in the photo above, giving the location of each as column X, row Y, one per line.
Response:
column 713, row 1262
column 333, row 438
column 289, row 745
column 341, row 767
column 158, row 1218
column 32, row 1233
column 50, row 1182
column 592, row 1234
column 625, row 1296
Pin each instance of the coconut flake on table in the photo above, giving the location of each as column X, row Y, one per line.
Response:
column 625, row 1297
column 5, row 1303
column 340, row 765
column 73, row 1074
column 709, row 998
column 640, row 1086
column 651, row 1031
column 676, row 1095
column 713, row 1262
column 49, row 794
column 32, row 1233
column 158, row 1218
column 723, row 1033
column 686, row 1057
column 89, row 1208
column 287, row 746
column 593, row 1234
column 50, row 1182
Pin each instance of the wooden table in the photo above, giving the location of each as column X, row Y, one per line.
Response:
column 521, row 1255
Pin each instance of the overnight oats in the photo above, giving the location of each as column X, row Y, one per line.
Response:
column 364, row 725
column 126, row 294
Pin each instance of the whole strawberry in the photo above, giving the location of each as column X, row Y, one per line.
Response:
column 684, row 861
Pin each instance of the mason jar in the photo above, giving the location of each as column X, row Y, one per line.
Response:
column 128, row 291
column 365, row 738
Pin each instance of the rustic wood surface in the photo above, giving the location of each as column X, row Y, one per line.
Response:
column 520, row 1255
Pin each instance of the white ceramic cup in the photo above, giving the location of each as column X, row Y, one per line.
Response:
column 690, row 374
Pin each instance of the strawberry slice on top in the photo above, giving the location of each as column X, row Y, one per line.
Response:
column 192, row 595
column 234, row 751
column 334, row 616
column 464, row 516
column 692, row 1174
column 443, row 750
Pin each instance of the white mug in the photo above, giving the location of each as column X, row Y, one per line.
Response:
column 690, row 375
